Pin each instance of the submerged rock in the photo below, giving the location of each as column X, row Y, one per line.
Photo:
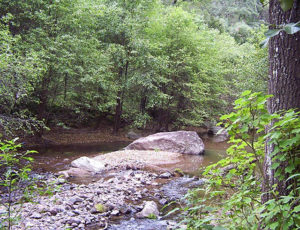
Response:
column 185, row 142
column 133, row 135
column 141, row 224
column 219, row 134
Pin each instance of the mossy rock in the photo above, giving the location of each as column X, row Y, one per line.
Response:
column 179, row 172
column 100, row 208
column 152, row 216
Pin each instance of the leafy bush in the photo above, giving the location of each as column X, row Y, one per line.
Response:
column 15, row 182
column 232, row 197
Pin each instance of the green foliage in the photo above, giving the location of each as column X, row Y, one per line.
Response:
column 152, row 216
column 232, row 197
column 14, row 180
column 100, row 208
column 239, row 18
column 290, row 28
column 151, row 65
column 285, row 4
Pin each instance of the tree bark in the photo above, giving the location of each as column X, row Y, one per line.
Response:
column 284, row 79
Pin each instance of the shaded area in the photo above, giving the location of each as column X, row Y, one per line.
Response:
column 58, row 157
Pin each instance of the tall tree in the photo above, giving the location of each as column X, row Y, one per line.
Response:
column 284, row 77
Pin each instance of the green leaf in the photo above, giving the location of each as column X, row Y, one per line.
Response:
column 273, row 32
column 245, row 93
column 292, row 28
column 286, row 4
column 264, row 43
column 219, row 228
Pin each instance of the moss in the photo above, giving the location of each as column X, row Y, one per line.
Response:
column 179, row 172
column 100, row 208
column 152, row 216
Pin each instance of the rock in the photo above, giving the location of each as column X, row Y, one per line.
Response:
column 165, row 175
column 185, row 142
column 115, row 212
column 133, row 135
column 36, row 215
column 74, row 220
column 74, row 200
column 219, row 134
column 150, row 209
column 163, row 201
column 100, row 208
column 64, row 174
column 56, row 209
column 88, row 164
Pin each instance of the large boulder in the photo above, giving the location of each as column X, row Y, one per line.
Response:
column 88, row 164
column 185, row 142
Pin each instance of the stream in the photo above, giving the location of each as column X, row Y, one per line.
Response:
column 57, row 158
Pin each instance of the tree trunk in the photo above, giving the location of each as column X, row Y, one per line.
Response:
column 118, row 113
column 284, row 79
column 65, row 86
column 44, row 95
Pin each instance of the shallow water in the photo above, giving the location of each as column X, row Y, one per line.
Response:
column 58, row 158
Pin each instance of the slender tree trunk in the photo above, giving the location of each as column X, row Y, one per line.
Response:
column 143, row 103
column 120, row 99
column 44, row 94
column 284, row 79
column 118, row 113
column 65, row 86
column 118, row 110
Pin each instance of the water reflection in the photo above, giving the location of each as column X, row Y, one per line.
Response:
column 58, row 158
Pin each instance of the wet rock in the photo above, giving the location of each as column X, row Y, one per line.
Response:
column 150, row 208
column 176, row 189
column 141, row 224
column 88, row 164
column 218, row 133
column 185, row 142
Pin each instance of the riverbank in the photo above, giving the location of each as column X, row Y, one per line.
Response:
column 58, row 136
column 132, row 179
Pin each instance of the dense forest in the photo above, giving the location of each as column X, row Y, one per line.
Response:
column 161, row 65
column 86, row 73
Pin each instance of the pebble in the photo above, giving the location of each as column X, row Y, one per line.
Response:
column 36, row 215
column 165, row 175
column 73, row 205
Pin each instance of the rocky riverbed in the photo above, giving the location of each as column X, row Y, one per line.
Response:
column 118, row 190
column 122, row 194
